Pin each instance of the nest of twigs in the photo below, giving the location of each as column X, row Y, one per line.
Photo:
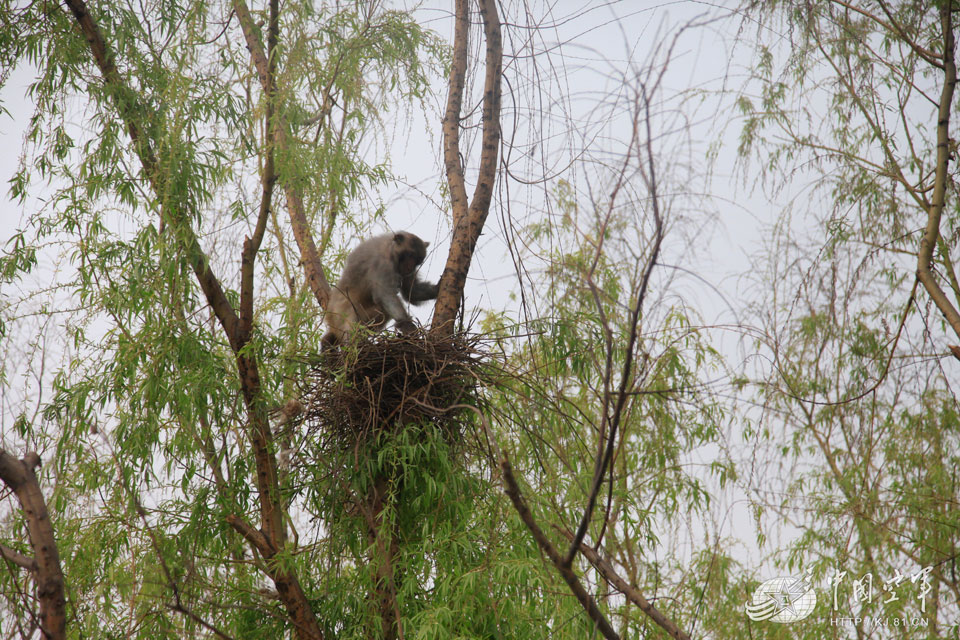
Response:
column 371, row 385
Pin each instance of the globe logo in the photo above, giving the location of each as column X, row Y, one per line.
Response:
column 783, row 599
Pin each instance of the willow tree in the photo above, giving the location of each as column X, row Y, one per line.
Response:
column 193, row 171
column 857, row 107
column 162, row 133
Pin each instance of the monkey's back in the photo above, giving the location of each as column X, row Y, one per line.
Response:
column 371, row 259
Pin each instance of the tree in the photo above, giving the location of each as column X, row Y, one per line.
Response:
column 192, row 176
column 183, row 112
column 186, row 500
column 859, row 100
column 20, row 477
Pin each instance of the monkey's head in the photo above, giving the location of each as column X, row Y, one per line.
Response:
column 409, row 251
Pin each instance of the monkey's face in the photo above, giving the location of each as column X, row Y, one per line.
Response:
column 409, row 261
column 409, row 252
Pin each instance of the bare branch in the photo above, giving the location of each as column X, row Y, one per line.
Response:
column 20, row 476
column 468, row 223
column 932, row 232
column 451, row 119
column 309, row 256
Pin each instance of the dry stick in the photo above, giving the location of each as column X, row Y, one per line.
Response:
column 20, row 476
column 932, row 231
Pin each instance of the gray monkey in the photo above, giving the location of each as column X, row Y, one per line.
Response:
column 376, row 272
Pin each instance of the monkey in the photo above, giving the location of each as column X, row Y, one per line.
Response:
column 377, row 270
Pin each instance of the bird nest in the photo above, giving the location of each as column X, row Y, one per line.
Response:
column 371, row 386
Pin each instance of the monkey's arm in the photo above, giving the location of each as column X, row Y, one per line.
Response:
column 389, row 302
column 420, row 291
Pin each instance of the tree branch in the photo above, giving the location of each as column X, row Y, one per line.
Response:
column 932, row 232
column 451, row 119
column 255, row 537
column 131, row 111
column 258, row 427
column 284, row 579
column 17, row 558
column 258, row 424
column 648, row 171
column 633, row 594
column 268, row 179
column 381, row 534
column 309, row 256
column 930, row 56
column 19, row 475
column 468, row 222
column 586, row 600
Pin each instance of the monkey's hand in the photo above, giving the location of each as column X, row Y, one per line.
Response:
column 405, row 327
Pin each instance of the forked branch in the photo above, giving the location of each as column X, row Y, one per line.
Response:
column 309, row 256
column 21, row 477
column 468, row 220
